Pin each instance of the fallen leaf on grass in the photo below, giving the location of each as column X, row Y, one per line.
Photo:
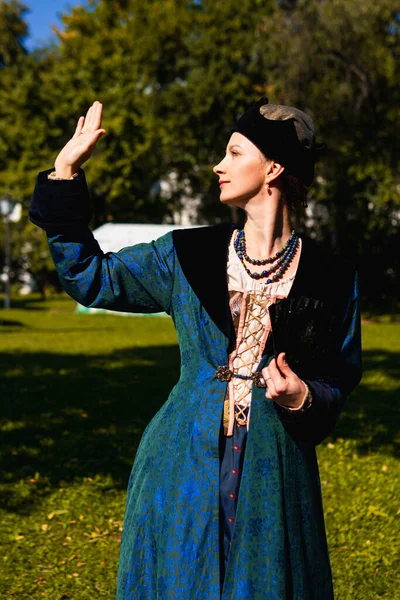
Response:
column 56, row 512
column 72, row 557
column 373, row 510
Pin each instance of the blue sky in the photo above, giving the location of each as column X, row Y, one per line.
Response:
column 44, row 13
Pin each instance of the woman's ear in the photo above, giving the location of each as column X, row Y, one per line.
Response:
column 272, row 172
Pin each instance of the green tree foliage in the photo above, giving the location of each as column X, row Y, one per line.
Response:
column 23, row 137
column 340, row 61
column 224, row 68
column 13, row 31
column 173, row 75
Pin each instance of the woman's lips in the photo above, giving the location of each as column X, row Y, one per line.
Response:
column 222, row 182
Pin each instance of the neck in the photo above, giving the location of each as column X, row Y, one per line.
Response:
column 267, row 227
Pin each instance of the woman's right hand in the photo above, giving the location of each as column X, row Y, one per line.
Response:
column 80, row 147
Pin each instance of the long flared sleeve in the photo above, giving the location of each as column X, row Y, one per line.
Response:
column 138, row 278
column 328, row 397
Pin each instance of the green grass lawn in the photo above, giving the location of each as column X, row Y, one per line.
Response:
column 76, row 394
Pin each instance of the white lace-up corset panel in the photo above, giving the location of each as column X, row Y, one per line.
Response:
column 249, row 301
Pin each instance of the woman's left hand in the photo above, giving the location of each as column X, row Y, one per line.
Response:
column 283, row 385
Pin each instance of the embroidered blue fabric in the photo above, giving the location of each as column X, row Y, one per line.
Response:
column 170, row 546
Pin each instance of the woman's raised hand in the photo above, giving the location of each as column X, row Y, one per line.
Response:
column 80, row 147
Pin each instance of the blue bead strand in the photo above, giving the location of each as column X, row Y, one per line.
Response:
column 282, row 258
column 265, row 261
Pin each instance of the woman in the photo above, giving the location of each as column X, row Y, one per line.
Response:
column 218, row 505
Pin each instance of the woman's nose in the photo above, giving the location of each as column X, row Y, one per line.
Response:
column 218, row 169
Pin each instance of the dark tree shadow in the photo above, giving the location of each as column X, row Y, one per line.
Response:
column 76, row 415
column 372, row 415
column 34, row 301
column 28, row 303
column 69, row 416
column 11, row 323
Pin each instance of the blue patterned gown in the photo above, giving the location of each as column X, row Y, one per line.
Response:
column 170, row 548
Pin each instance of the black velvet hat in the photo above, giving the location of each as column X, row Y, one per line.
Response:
column 284, row 134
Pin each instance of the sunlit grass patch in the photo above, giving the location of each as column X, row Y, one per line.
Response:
column 77, row 392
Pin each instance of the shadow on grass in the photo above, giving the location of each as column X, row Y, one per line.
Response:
column 67, row 416
column 35, row 302
column 371, row 415
column 28, row 303
column 7, row 323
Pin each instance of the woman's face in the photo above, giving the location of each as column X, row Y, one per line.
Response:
column 241, row 172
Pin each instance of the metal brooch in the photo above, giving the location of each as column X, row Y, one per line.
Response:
column 224, row 373
column 259, row 380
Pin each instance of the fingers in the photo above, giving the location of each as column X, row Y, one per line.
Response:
column 269, row 383
column 276, row 376
column 93, row 118
column 87, row 133
column 89, row 120
column 270, row 392
column 276, row 384
column 85, row 127
column 283, row 365
column 265, row 374
column 79, row 126
column 94, row 138
column 96, row 115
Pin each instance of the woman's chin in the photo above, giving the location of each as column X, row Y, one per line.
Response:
column 227, row 199
column 230, row 200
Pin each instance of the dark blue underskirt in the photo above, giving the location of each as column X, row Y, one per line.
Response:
column 232, row 451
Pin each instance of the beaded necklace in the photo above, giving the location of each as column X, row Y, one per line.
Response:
column 281, row 259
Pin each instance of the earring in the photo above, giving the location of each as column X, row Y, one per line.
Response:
column 267, row 187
